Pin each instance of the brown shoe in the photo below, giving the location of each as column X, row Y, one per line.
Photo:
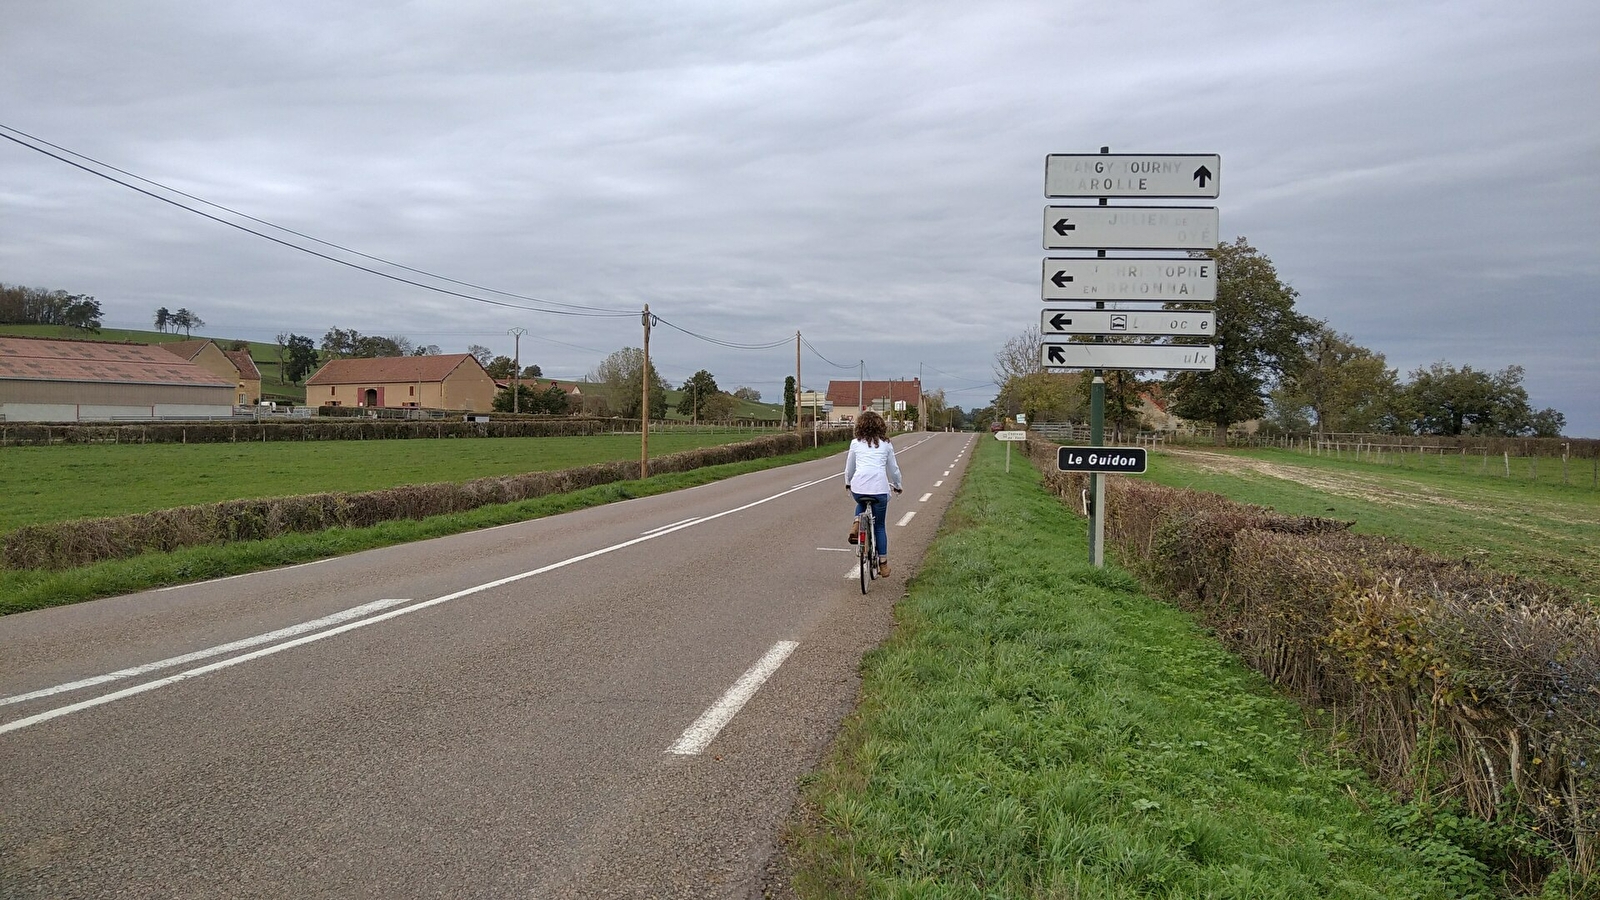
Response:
column 883, row 570
column 855, row 529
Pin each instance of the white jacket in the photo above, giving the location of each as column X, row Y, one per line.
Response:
column 869, row 469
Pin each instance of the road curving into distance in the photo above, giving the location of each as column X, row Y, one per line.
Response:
column 611, row 702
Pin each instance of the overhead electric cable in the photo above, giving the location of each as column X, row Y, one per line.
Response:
column 825, row 359
column 732, row 345
column 571, row 309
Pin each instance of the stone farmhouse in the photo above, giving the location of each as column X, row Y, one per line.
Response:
column 235, row 365
column 454, row 381
column 850, row 397
column 59, row 380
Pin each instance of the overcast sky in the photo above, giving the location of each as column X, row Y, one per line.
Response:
column 1426, row 175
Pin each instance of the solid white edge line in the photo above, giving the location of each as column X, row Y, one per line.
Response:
column 47, row 715
column 906, row 518
column 698, row 736
column 345, row 615
column 173, row 587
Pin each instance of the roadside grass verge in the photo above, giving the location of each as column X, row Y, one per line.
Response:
column 52, row 484
column 1040, row 728
column 25, row 590
column 1537, row 530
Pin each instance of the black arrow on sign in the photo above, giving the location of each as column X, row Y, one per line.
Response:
column 1062, row 227
column 1059, row 323
column 1060, row 279
column 1202, row 174
column 1056, row 356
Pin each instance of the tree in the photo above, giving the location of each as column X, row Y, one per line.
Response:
column 748, row 394
column 550, row 401
column 481, row 353
column 621, row 376
column 501, row 367
column 1257, row 340
column 718, row 407
column 83, row 312
column 1344, row 386
column 302, row 360
column 699, row 389
column 186, row 320
column 374, row 346
column 163, row 319
column 1547, row 423
column 283, row 357
column 1123, row 399
column 532, row 372
column 1450, row 401
column 339, row 343
column 426, row 350
column 789, row 398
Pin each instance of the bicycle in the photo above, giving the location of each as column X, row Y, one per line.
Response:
column 867, row 543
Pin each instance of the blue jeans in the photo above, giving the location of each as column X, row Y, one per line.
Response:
column 880, row 513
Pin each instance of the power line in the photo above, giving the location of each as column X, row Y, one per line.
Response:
column 570, row 310
column 732, row 345
column 824, row 358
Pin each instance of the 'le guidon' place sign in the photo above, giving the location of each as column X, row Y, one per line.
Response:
column 1122, row 460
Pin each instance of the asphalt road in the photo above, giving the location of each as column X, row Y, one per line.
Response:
column 547, row 709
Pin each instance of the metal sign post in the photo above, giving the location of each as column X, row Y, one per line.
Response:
column 1010, row 437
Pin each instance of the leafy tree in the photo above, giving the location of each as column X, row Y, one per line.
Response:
column 38, row 306
column 283, row 356
column 426, row 350
column 1124, row 402
column 1257, row 340
column 621, row 374
column 718, row 407
column 1450, row 401
column 1043, row 397
column 1547, row 423
column 483, row 354
column 532, row 372
column 373, row 346
column 1344, row 386
column 748, row 394
column 550, row 401
column 302, row 358
column 699, row 389
column 789, row 397
column 339, row 343
column 501, row 367
column 163, row 319
column 186, row 320
column 83, row 312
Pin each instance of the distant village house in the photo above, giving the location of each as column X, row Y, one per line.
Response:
column 454, row 381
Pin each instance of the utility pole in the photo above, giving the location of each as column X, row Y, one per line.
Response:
column 644, row 408
column 861, row 390
column 922, row 414
column 516, row 368
column 797, row 388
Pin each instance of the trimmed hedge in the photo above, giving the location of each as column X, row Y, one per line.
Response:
column 1449, row 680
column 63, row 545
column 18, row 434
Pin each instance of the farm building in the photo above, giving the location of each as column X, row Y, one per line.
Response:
column 849, row 397
column 445, row 381
column 234, row 365
column 56, row 380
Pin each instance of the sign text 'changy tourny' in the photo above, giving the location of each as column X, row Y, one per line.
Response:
column 1154, row 175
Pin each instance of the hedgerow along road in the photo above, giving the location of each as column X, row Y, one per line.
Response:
column 616, row 701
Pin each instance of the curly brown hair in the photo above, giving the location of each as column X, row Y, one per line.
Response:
column 870, row 428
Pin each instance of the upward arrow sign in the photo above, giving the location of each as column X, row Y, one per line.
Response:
column 1202, row 175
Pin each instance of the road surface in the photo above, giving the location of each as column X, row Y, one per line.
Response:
column 613, row 702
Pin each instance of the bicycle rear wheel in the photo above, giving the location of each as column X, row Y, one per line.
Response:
column 862, row 537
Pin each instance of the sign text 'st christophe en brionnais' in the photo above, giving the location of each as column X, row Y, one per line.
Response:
column 1126, row 460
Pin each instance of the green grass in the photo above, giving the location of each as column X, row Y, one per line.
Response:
column 21, row 591
column 49, row 484
column 1538, row 529
column 1040, row 728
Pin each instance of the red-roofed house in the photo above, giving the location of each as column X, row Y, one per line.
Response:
column 234, row 365
column 56, row 380
column 850, row 397
column 445, row 381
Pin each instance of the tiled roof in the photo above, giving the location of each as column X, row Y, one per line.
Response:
column 390, row 369
column 246, row 366
column 45, row 359
column 185, row 349
column 848, row 393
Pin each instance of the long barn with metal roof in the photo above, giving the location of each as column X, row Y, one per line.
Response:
column 57, row 380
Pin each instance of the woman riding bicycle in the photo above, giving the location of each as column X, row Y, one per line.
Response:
column 870, row 471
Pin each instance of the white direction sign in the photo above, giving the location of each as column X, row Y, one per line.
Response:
column 1154, row 175
column 1129, row 356
column 1130, row 228
column 1011, row 435
column 1163, row 280
column 1107, row 321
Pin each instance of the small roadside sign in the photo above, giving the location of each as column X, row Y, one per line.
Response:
column 1130, row 227
column 1123, row 460
column 1152, row 280
column 1154, row 175
column 1129, row 356
column 1108, row 321
column 1010, row 435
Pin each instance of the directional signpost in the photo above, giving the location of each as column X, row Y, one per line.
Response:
column 1010, row 437
column 1130, row 227
column 1105, row 321
column 1177, row 283
column 1149, row 280
column 1149, row 175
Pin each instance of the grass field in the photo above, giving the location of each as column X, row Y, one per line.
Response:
column 1040, row 728
column 1540, row 529
column 48, row 484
